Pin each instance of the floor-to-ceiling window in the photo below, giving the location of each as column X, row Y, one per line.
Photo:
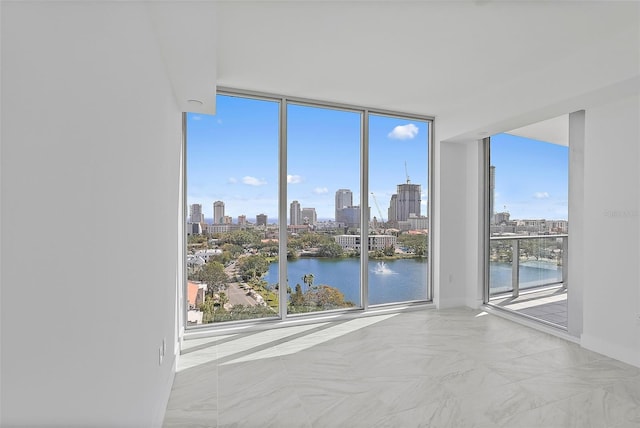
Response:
column 398, row 194
column 232, row 198
column 323, row 194
column 528, row 227
column 296, row 206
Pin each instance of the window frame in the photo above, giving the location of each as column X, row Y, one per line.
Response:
column 283, row 103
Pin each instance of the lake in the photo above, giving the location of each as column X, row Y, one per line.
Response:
column 398, row 280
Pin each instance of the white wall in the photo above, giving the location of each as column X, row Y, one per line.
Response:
column 458, row 230
column 450, row 238
column 90, row 139
column 611, row 229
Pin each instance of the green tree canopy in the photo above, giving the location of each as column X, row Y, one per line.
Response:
column 330, row 298
column 417, row 243
column 297, row 298
column 330, row 249
column 253, row 266
column 213, row 274
column 243, row 238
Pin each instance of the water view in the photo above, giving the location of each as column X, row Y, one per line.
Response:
column 532, row 274
column 389, row 281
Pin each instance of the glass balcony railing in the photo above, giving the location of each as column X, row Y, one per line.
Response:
column 518, row 263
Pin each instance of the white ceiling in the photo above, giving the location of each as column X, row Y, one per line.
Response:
column 478, row 66
column 555, row 130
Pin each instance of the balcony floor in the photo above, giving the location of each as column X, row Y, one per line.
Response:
column 549, row 304
column 423, row 368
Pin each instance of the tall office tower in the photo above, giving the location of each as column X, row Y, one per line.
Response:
column 351, row 216
column 242, row 220
column 309, row 216
column 408, row 201
column 261, row 220
column 295, row 213
column 502, row 217
column 196, row 213
column 492, row 188
column 393, row 207
column 344, row 199
column 218, row 212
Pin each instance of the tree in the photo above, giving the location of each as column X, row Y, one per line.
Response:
column 330, row 249
column 223, row 299
column 253, row 266
column 389, row 251
column 233, row 249
column 416, row 243
column 243, row 238
column 297, row 298
column 330, row 298
column 207, row 308
column 308, row 279
column 213, row 274
column 196, row 239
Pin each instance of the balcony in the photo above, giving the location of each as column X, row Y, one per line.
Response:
column 534, row 283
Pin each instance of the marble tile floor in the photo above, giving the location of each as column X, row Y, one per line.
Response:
column 425, row 368
column 547, row 304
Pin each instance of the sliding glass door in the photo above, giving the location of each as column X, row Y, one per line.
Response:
column 528, row 227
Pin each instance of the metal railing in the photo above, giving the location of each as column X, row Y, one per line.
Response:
column 536, row 261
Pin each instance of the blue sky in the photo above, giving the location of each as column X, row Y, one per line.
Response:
column 233, row 157
column 532, row 178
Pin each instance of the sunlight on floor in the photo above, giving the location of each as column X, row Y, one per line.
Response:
column 270, row 343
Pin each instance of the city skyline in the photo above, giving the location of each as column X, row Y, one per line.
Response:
column 233, row 157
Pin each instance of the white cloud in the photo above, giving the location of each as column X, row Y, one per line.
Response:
column 219, row 121
column 320, row 190
column 253, row 181
column 403, row 132
column 232, row 180
column 294, row 179
column 541, row 195
column 196, row 117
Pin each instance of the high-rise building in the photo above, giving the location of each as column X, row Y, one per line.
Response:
column 350, row 216
column 408, row 201
column 242, row 220
column 295, row 214
column 502, row 217
column 196, row 214
column 261, row 220
column 309, row 216
column 344, row 199
column 218, row 212
column 393, row 207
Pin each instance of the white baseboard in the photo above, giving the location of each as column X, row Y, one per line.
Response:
column 623, row 353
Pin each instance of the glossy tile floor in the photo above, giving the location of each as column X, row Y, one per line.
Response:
column 427, row 368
